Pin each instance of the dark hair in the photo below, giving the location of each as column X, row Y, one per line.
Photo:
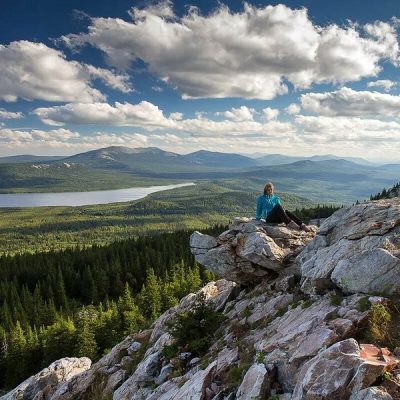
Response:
column 269, row 184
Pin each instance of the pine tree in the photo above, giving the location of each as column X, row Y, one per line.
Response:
column 131, row 318
column 16, row 356
column 151, row 295
column 86, row 345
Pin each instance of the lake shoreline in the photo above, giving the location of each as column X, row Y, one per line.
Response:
column 77, row 199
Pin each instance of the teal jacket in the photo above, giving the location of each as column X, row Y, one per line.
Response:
column 265, row 203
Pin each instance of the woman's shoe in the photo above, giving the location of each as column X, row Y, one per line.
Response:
column 293, row 225
column 305, row 228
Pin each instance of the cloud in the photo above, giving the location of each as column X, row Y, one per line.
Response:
column 31, row 71
column 149, row 117
column 270, row 113
column 110, row 78
column 248, row 54
column 144, row 114
column 60, row 141
column 347, row 129
column 16, row 136
column 386, row 84
column 4, row 114
column 292, row 109
column 242, row 113
column 348, row 102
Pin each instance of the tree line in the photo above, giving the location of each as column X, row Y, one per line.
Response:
column 82, row 301
column 387, row 193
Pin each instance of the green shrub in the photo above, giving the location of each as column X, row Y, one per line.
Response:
column 193, row 330
column 282, row 311
column 307, row 303
column 260, row 357
column 245, row 313
column 236, row 374
column 379, row 324
column 336, row 300
column 364, row 304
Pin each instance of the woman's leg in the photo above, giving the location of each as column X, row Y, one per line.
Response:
column 294, row 218
column 277, row 215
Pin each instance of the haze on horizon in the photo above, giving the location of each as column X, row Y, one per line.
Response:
column 296, row 78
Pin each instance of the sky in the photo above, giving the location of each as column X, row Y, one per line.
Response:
column 295, row 78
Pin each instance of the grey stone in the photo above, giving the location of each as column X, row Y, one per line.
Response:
column 356, row 249
column 250, row 251
column 47, row 380
column 375, row 271
column 134, row 347
column 372, row 393
column 255, row 383
column 164, row 374
column 336, row 373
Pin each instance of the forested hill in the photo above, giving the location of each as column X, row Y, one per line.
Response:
column 83, row 301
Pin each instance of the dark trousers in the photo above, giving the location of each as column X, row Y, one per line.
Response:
column 278, row 215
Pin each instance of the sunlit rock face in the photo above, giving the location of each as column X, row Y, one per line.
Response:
column 357, row 249
column 249, row 251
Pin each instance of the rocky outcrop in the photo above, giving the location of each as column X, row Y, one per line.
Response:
column 288, row 332
column 357, row 249
column 249, row 251
column 43, row 385
column 337, row 373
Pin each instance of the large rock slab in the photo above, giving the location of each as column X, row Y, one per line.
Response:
column 303, row 331
column 249, row 251
column 44, row 383
column 255, row 384
column 336, row 373
column 107, row 370
column 356, row 249
column 372, row 393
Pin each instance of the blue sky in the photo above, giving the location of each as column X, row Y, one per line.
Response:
column 296, row 78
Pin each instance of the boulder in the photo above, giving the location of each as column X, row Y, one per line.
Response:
column 195, row 387
column 249, row 251
column 107, row 370
column 255, row 384
column 336, row 373
column 356, row 249
column 45, row 382
column 372, row 393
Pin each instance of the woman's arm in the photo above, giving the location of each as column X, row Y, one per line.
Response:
column 259, row 208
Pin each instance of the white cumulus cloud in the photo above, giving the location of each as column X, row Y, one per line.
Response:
column 348, row 129
column 349, row 102
column 31, row 71
column 242, row 113
column 292, row 109
column 144, row 114
column 238, row 122
column 62, row 141
column 270, row 113
column 386, row 84
column 4, row 114
column 250, row 54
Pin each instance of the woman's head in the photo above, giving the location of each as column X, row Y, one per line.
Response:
column 269, row 188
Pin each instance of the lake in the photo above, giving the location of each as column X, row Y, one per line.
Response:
column 81, row 198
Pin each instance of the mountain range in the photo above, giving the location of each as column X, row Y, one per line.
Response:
column 202, row 157
column 335, row 180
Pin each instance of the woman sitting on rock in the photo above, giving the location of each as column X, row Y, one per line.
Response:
column 269, row 207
